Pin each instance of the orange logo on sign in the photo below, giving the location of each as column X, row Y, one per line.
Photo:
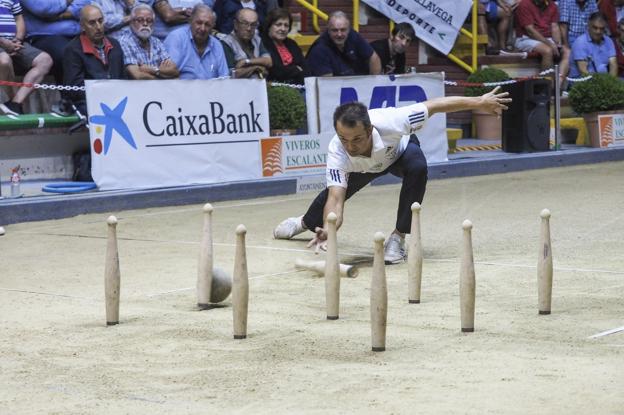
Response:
column 271, row 156
column 606, row 131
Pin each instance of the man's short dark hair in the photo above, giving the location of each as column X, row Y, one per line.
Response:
column 405, row 29
column 597, row 16
column 351, row 113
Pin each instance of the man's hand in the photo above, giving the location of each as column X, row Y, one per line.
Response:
column 166, row 65
column 494, row 102
column 11, row 46
column 319, row 242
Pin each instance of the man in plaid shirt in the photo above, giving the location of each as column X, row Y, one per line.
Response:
column 573, row 16
column 145, row 56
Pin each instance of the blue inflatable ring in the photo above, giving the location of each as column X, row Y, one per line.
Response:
column 68, row 187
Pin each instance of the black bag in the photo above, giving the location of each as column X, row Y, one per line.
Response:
column 82, row 167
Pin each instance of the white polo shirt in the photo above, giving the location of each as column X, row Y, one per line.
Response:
column 391, row 130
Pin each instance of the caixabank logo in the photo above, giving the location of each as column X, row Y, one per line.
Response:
column 112, row 121
column 291, row 154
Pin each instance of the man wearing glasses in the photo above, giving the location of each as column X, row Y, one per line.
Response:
column 197, row 54
column 252, row 60
column 145, row 56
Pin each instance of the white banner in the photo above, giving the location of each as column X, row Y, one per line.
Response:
column 173, row 133
column 294, row 155
column 385, row 91
column 436, row 22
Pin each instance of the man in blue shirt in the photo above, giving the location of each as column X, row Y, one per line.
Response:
column 50, row 25
column 341, row 51
column 573, row 17
column 145, row 56
column 593, row 52
column 197, row 54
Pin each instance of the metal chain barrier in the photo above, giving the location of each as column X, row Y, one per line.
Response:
column 301, row 87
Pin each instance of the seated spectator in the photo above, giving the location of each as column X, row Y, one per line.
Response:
column 145, row 56
column 172, row 14
column 14, row 53
column 226, row 11
column 573, row 18
column 251, row 57
column 537, row 30
column 593, row 52
column 50, row 25
column 92, row 55
column 619, row 47
column 340, row 51
column 498, row 12
column 117, row 15
column 613, row 11
column 391, row 51
column 289, row 65
column 197, row 54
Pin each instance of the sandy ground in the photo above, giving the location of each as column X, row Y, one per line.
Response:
column 166, row 357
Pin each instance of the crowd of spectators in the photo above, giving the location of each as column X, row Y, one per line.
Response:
column 582, row 36
column 76, row 40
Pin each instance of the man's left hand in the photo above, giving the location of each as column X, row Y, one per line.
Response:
column 319, row 242
column 494, row 102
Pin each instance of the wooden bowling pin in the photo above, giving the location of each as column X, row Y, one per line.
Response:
column 414, row 258
column 332, row 270
column 379, row 297
column 346, row 271
column 544, row 266
column 467, row 281
column 240, row 285
column 111, row 274
column 204, row 268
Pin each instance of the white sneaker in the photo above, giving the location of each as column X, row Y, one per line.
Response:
column 394, row 249
column 288, row 228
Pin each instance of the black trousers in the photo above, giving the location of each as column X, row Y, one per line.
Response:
column 411, row 166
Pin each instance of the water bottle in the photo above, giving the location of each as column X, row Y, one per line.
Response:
column 15, row 183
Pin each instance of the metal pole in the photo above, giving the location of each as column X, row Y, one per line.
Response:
column 557, row 110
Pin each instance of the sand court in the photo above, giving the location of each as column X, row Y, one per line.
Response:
column 166, row 356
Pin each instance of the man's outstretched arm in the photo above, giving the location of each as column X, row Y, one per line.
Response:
column 493, row 102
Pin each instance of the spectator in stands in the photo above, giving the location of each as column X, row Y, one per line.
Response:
column 391, row 51
column 593, row 52
column 289, row 65
column 145, row 56
column 14, row 53
column 226, row 11
column 171, row 14
column 619, row 47
column 50, row 25
column 573, row 18
column 537, row 30
column 340, row 51
column 251, row 57
column 497, row 12
column 92, row 55
column 117, row 15
column 197, row 54
column 613, row 11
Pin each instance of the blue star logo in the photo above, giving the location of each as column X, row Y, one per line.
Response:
column 112, row 121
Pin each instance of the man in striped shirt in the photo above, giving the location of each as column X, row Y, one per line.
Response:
column 372, row 143
column 14, row 53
